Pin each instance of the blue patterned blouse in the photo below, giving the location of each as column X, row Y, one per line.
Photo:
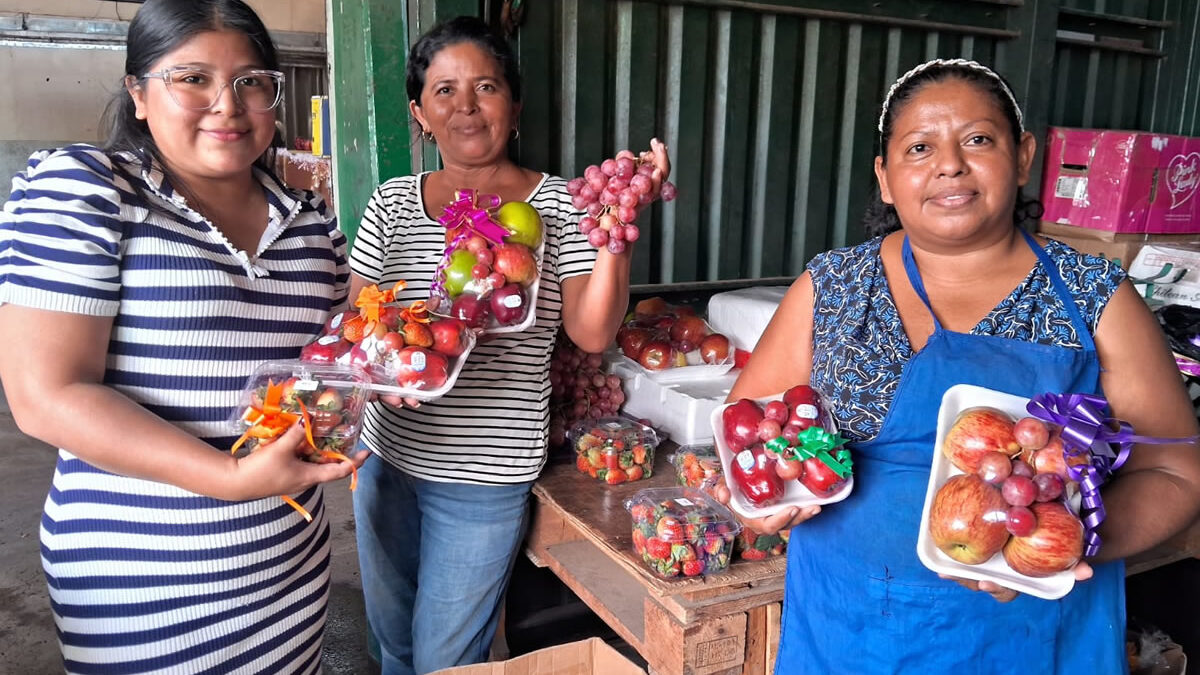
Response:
column 859, row 344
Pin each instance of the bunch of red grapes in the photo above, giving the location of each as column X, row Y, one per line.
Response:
column 579, row 389
column 612, row 194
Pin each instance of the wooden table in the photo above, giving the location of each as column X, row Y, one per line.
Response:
column 721, row 623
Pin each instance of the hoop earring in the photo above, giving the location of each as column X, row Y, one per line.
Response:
column 516, row 134
column 427, row 136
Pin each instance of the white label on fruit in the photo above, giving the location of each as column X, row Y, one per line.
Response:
column 328, row 340
column 337, row 321
column 745, row 459
column 1071, row 187
column 306, row 385
column 513, row 301
column 807, row 411
column 418, row 362
column 684, row 501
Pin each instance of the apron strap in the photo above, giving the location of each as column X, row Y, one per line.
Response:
column 1064, row 294
column 914, row 278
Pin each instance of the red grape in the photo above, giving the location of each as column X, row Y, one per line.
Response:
column 1050, row 486
column 1020, row 521
column 1022, row 468
column 1018, row 490
column 994, row 467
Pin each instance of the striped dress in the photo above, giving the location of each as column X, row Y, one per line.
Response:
column 492, row 427
column 144, row 576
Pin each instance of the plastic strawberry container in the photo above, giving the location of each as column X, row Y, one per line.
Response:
column 329, row 398
column 695, row 465
column 682, row 532
column 614, row 449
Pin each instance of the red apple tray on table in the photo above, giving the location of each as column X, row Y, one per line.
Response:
column 795, row 494
column 955, row 400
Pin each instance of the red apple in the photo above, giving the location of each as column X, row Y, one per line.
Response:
column 657, row 355
column 690, row 329
column 631, row 339
column 326, row 349
column 420, row 368
column 1031, row 433
column 805, row 405
column 788, row 469
column 754, row 476
column 449, row 336
column 469, row 309
column 509, row 304
column 1054, row 459
column 650, row 307
column 740, row 422
column 516, row 263
column 714, row 348
column 966, row 519
column 977, row 431
column 1055, row 545
column 334, row 325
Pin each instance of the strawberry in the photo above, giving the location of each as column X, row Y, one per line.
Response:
column 693, row 568
column 354, row 329
column 595, row 458
column 753, row 554
column 417, row 334
column 683, row 552
column 611, row 460
column 581, row 463
column 614, row 477
column 641, row 513
column 639, row 541
column 658, row 549
column 639, row 454
column 330, row 399
column 635, row 473
column 323, row 421
column 669, row 529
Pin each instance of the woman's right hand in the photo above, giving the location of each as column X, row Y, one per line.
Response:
column 275, row 468
column 784, row 520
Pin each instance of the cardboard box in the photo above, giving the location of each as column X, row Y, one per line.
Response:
column 1119, row 246
column 1181, row 286
column 1122, row 181
column 586, row 657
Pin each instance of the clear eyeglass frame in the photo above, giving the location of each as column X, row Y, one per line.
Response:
column 165, row 76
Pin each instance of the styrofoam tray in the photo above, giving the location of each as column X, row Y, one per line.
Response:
column 955, row 400
column 675, row 374
column 455, row 367
column 795, row 494
column 681, row 409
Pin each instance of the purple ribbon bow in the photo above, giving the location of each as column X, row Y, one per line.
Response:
column 470, row 213
column 1087, row 432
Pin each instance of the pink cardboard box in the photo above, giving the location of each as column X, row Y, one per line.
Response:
column 1122, row 181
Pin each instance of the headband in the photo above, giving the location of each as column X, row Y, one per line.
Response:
column 973, row 65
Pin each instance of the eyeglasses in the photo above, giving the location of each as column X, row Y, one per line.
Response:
column 194, row 89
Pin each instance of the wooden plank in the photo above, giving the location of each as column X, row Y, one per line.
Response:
column 547, row 528
column 774, row 615
column 604, row 586
column 756, row 642
column 714, row 646
column 729, row 601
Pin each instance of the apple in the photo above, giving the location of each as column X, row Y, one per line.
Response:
column 788, row 468
column 821, row 480
column 650, row 307
column 389, row 317
column 392, row 341
column 469, row 309
column 976, row 431
column 449, row 336
column 326, row 349
column 657, row 355
column 740, row 422
column 632, row 339
column 457, row 273
column 754, row 476
column 714, row 348
column 1054, row 459
column 805, row 405
column 769, row 430
column 690, row 329
column 334, row 325
column 523, row 222
column 420, row 368
column 967, row 519
column 516, row 263
column 1055, row 545
column 1031, row 433
column 509, row 304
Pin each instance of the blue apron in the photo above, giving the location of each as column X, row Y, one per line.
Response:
column 857, row 598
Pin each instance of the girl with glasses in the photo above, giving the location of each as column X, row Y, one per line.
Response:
column 143, row 281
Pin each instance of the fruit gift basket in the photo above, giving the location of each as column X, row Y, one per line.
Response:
column 781, row 452
column 405, row 350
column 681, row 531
column 614, row 449
column 1014, row 487
column 672, row 344
column 328, row 399
column 491, row 269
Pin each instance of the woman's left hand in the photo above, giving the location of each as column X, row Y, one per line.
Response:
column 1082, row 571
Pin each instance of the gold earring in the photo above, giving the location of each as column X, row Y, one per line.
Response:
column 427, row 136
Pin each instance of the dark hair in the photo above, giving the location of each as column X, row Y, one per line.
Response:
column 158, row 28
column 451, row 32
column 881, row 218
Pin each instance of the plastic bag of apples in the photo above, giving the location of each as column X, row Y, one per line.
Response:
column 491, row 269
column 404, row 349
column 1014, row 489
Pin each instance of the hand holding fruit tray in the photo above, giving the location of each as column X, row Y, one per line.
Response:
column 406, row 351
column 491, row 269
column 327, row 399
column 671, row 344
column 1014, row 490
column 777, row 453
column 681, row 531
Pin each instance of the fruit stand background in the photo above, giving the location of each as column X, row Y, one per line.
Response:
column 769, row 107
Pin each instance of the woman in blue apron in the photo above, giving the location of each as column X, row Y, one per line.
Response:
column 951, row 292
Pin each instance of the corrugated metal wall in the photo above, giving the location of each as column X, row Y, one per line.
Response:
column 769, row 107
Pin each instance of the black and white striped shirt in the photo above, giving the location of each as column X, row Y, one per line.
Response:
column 493, row 426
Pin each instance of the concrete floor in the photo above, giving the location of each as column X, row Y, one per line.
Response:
column 27, row 641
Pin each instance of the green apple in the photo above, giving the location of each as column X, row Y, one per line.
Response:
column 523, row 223
column 458, row 272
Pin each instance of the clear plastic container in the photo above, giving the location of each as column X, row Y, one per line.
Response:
column 695, row 465
column 681, row 531
column 330, row 397
column 614, row 449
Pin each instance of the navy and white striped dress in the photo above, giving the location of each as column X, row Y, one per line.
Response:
column 145, row 576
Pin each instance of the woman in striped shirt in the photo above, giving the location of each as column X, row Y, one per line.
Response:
column 142, row 283
column 441, row 512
